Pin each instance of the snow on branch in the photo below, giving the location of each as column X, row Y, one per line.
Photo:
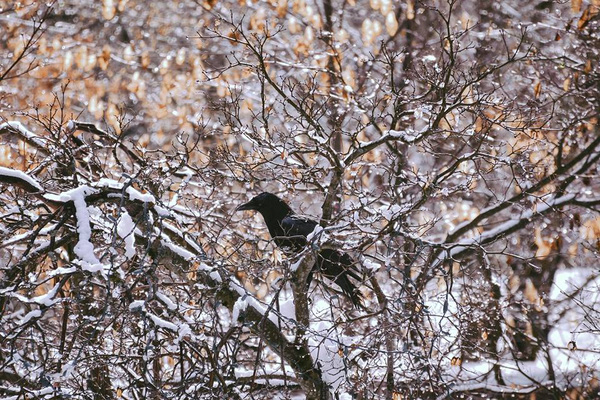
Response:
column 84, row 249
column 26, row 134
column 491, row 235
column 20, row 178
column 407, row 136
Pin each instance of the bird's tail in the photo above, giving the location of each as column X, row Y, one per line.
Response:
column 339, row 267
column 349, row 289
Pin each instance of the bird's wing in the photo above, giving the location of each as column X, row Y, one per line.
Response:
column 297, row 226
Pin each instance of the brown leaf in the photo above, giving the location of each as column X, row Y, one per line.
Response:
column 537, row 89
column 531, row 292
column 585, row 19
column 109, row 9
column 410, row 9
column 391, row 24
column 104, row 58
column 575, row 6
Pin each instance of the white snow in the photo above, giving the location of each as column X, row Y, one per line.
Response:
column 84, row 249
column 135, row 194
column 137, row 305
column 21, row 175
column 167, row 301
column 287, row 309
column 125, row 229
column 30, row 315
column 162, row 211
column 71, row 125
column 504, row 227
column 109, row 183
column 184, row 331
column 48, row 298
column 574, row 299
column 163, row 323
column 24, row 132
column 250, row 301
column 324, row 346
column 180, row 251
column 53, row 197
column 314, row 234
column 34, row 394
column 407, row 136
column 215, row 276
column 62, row 271
column 239, row 307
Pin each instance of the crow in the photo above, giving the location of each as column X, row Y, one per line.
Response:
column 290, row 232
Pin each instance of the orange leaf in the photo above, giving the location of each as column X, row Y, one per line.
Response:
column 585, row 19
column 537, row 89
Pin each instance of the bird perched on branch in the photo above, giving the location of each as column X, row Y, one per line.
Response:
column 290, row 232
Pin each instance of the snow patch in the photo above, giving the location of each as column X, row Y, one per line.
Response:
column 166, row 301
column 20, row 175
column 137, row 305
column 137, row 195
column 84, row 248
column 239, row 307
column 162, row 322
column 29, row 316
column 48, row 298
column 180, row 251
column 16, row 125
column 125, row 229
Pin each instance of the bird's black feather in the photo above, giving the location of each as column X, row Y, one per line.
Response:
column 290, row 232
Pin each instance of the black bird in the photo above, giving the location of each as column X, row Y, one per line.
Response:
column 289, row 231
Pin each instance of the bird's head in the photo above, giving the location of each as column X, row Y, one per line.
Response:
column 266, row 203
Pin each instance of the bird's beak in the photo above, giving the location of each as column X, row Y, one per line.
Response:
column 246, row 206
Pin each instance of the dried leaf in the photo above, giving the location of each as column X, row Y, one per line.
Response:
column 537, row 89
column 531, row 292
column 585, row 19
column 391, row 24
column 109, row 9
column 367, row 31
column 145, row 59
column 575, row 6
column 410, row 9
column 544, row 245
column 180, row 57
column 281, row 8
column 386, row 7
column 294, row 26
column 104, row 58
